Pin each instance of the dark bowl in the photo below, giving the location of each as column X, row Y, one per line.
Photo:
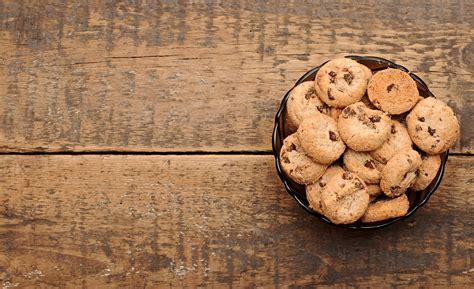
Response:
column 297, row 191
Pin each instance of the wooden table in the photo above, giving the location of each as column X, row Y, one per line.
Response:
column 135, row 140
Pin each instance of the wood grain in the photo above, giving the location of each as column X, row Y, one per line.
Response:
column 165, row 76
column 99, row 221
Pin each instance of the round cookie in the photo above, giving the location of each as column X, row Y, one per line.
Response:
column 313, row 191
column 398, row 140
column 303, row 102
column 374, row 191
column 392, row 91
column 296, row 164
column 362, row 128
column 341, row 82
column 344, row 199
column 386, row 209
column 319, row 138
column 427, row 171
column 361, row 163
column 400, row 172
column 433, row 126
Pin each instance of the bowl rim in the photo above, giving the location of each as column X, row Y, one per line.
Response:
column 277, row 134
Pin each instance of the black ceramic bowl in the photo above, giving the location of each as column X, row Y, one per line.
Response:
column 297, row 191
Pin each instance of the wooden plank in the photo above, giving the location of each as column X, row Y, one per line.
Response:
column 212, row 221
column 151, row 76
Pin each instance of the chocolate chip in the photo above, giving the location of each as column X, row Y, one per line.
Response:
column 375, row 118
column 286, row 160
column 346, row 112
column 292, row 147
column 422, row 119
column 431, row 131
column 348, row 77
column 322, row 185
column 394, row 189
column 436, row 143
column 333, row 76
column 322, row 108
column 393, row 130
column 333, row 136
column 310, row 94
column 426, row 174
column 359, row 185
column 391, row 87
column 347, row 176
column 417, row 173
column 369, row 164
column 330, row 96
column 418, row 128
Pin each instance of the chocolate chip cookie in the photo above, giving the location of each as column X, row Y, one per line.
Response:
column 398, row 139
column 296, row 164
column 344, row 199
column 319, row 138
column 400, row 172
column 433, row 126
column 374, row 191
column 386, row 209
column 341, row 82
column 392, row 91
column 313, row 191
column 427, row 171
column 303, row 102
column 362, row 163
column 362, row 128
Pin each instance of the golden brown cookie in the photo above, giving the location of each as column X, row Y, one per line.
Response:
column 398, row 139
column 296, row 164
column 386, row 209
column 320, row 140
column 400, row 172
column 341, row 82
column 313, row 191
column 427, row 171
column 393, row 91
column 433, row 126
column 362, row 163
column 362, row 128
column 303, row 102
column 344, row 199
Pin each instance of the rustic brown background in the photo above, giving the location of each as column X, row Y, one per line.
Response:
column 135, row 140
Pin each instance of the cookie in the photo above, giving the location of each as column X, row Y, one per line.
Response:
column 341, row 82
column 344, row 199
column 374, row 191
column 303, row 102
column 392, row 91
column 433, row 126
column 361, row 163
column 296, row 164
column 320, row 140
column 362, row 128
column 427, row 171
column 335, row 113
column 398, row 139
column 400, row 172
column 386, row 209
column 313, row 191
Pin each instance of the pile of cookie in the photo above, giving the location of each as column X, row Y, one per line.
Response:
column 390, row 139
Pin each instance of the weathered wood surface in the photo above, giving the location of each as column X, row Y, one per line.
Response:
column 152, row 76
column 212, row 221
